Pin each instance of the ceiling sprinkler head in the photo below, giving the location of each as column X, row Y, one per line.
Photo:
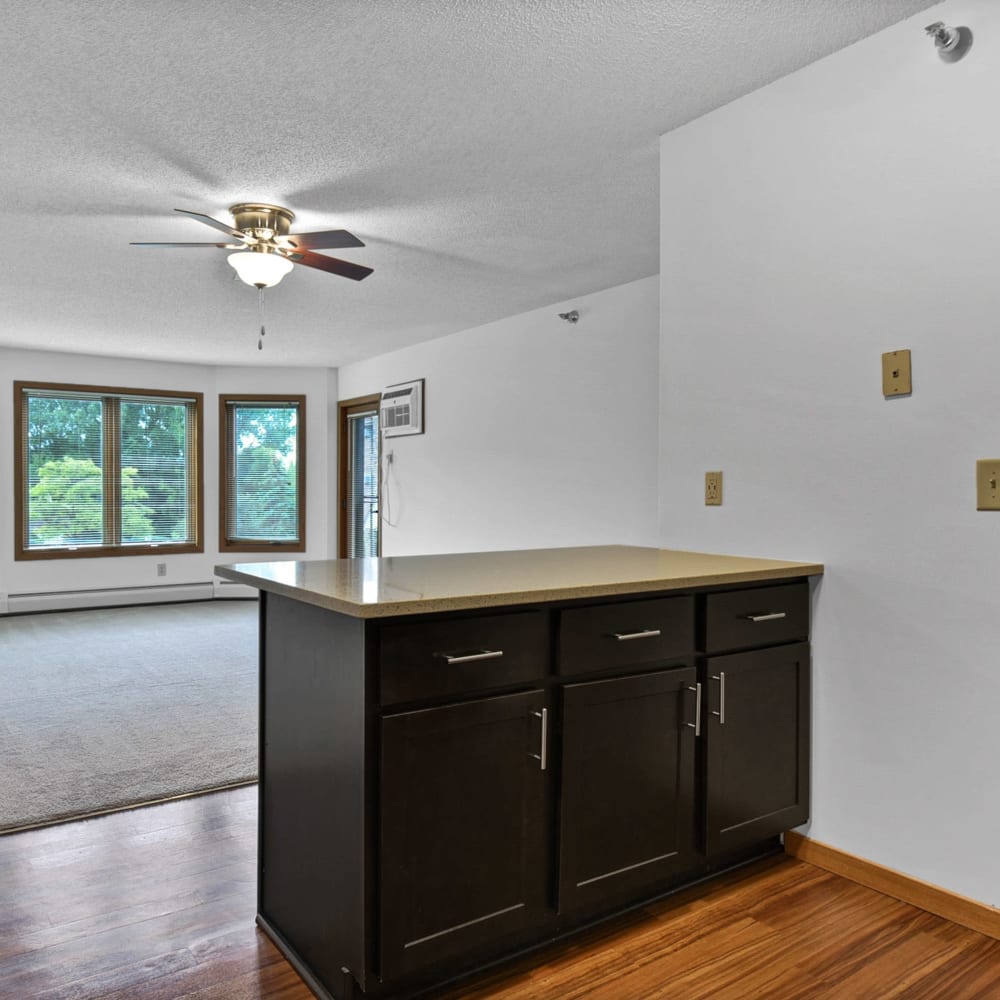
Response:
column 573, row 316
column 951, row 43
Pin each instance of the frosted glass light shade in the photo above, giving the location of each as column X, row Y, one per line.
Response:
column 257, row 269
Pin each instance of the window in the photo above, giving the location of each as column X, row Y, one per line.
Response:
column 263, row 474
column 106, row 472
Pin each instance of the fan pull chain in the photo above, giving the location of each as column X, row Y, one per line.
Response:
column 260, row 310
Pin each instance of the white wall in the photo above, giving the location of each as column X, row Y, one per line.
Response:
column 849, row 209
column 47, row 576
column 538, row 433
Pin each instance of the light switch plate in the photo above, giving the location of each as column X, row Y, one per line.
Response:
column 896, row 377
column 988, row 484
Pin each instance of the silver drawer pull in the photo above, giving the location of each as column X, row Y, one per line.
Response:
column 483, row 654
column 771, row 616
column 646, row 633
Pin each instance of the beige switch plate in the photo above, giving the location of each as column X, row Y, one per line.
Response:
column 988, row 484
column 896, row 377
column 713, row 489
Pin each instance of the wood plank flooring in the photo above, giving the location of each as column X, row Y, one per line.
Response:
column 158, row 904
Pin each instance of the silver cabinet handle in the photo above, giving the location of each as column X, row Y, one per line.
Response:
column 646, row 633
column 771, row 616
column 721, row 678
column 483, row 654
column 696, row 725
column 543, row 755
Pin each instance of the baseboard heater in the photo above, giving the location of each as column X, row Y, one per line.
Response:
column 69, row 600
column 232, row 589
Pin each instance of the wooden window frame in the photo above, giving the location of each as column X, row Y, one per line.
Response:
column 226, row 458
column 111, row 460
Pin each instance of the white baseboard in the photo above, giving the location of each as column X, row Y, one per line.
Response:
column 3, row 604
column 230, row 588
column 69, row 600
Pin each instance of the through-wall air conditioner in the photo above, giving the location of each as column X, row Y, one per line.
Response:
column 402, row 409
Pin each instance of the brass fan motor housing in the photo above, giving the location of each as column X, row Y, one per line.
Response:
column 263, row 221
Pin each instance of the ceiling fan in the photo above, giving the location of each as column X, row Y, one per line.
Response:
column 266, row 250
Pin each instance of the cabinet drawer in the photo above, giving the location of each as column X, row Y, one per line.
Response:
column 431, row 659
column 625, row 634
column 760, row 616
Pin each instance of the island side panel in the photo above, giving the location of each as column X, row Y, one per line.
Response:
column 312, row 785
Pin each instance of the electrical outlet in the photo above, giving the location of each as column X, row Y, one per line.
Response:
column 988, row 484
column 161, row 569
column 713, row 489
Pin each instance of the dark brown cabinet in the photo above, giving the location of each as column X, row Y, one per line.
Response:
column 627, row 790
column 441, row 790
column 757, row 745
column 756, row 771
column 463, row 845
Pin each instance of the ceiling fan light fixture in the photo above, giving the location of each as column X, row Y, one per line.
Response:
column 258, row 268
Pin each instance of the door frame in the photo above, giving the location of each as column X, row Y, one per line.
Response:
column 345, row 409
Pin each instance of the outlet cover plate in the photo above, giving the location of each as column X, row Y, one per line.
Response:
column 713, row 489
column 988, row 484
column 896, row 374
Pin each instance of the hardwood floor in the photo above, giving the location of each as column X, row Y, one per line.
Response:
column 158, row 903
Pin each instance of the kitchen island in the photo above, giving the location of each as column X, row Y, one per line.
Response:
column 465, row 756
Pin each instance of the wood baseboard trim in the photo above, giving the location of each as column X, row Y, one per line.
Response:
column 958, row 909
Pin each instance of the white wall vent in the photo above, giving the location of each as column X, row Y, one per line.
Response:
column 402, row 410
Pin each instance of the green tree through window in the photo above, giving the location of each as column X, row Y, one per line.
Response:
column 263, row 474
column 154, row 438
column 67, row 505
column 106, row 471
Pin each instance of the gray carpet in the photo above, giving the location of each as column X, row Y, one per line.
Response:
column 110, row 708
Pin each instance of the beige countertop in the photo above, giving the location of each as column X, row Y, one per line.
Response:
column 406, row 585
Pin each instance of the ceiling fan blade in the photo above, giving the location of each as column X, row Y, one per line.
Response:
column 329, row 239
column 331, row 264
column 214, row 223
column 221, row 246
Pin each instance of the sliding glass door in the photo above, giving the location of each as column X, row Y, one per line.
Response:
column 359, row 478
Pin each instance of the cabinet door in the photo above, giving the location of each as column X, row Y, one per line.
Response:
column 757, row 746
column 463, row 832
column 627, row 807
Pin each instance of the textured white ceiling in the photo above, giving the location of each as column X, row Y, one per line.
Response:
column 494, row 155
